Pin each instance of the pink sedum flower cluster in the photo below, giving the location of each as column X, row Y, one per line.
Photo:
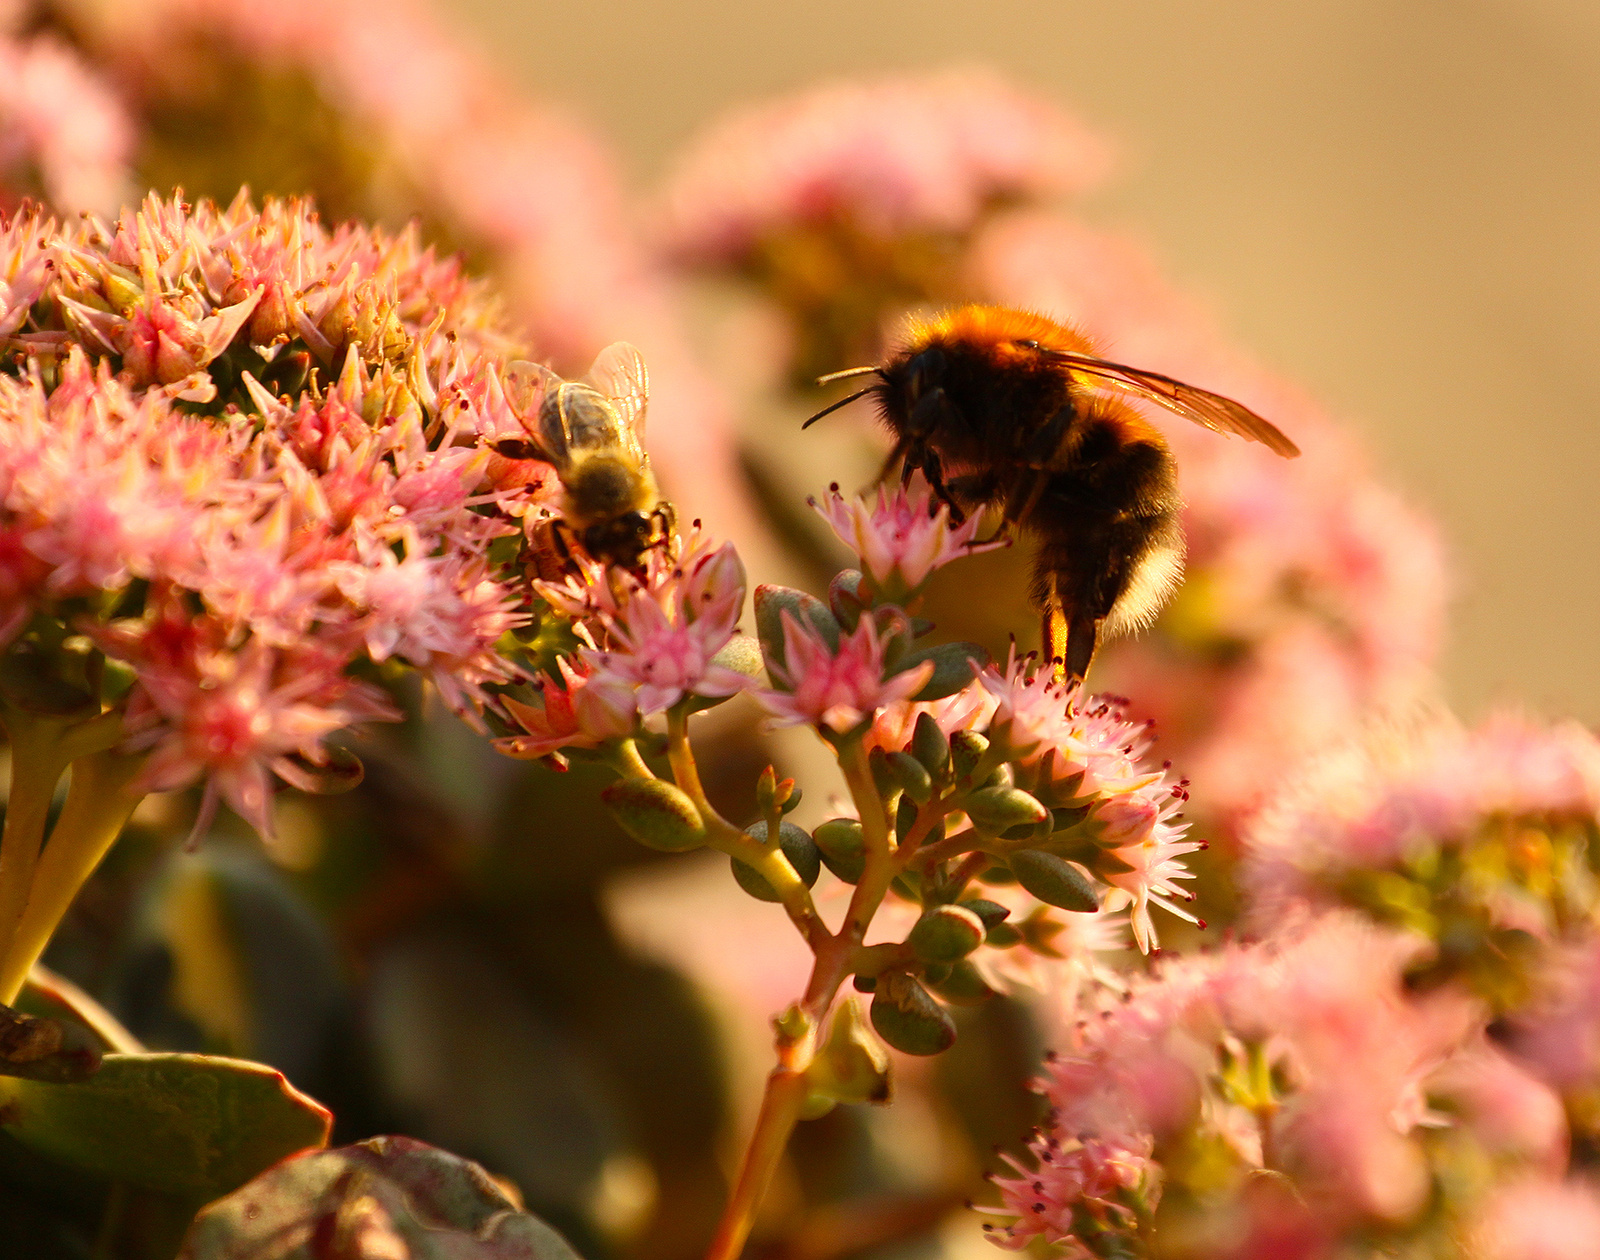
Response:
column 244, row 455
column 64, row 134
column 647, row 641
column 1307, row 1058
column 836, row 689
column 900, row 154
column 1519, row 799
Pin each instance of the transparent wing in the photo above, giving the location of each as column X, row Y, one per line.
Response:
column 1219, row 414
column 527, row 385
column 619, row 375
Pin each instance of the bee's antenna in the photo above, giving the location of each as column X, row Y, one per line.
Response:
column 850, row 398
column 847, row 373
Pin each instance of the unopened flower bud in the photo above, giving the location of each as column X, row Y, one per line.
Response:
column 946, row 934
column 1124, row 819
column 798, row 848
column 1054, row 880
column 954, row 666
column 930, row 745
column 912, row 776
column 656, row 814
column 844, row 598
column 964, row 986
column 842, row 848
column 989, row 912
column 997, row 809
column 907, row 1017
column 771, row 602
column 966, row 751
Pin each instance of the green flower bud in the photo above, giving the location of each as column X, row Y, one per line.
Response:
column 1054, row 880
column 907, row 1017
column 845, row 599
column 882, row 776
column 930, row 745
column 1003, row 775
column 995, row 809
column 954, row 666
column 989, row 912
column 656, row 814
column 946, row 934
column 771, row 602
column 842, row 848
column 964, row 986
column 912, row 776
column 966, row 751
column 798, row 847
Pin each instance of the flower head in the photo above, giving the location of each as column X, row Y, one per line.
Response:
column 259, row 529
column 902, row 537
column 836, row 689
column 898, row 155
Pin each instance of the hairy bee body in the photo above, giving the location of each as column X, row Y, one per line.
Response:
column 1005, row 408
column 592, row 431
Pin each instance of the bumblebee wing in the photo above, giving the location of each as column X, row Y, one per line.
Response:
column 1215, row 412
column 527, row 385
column 619, row 375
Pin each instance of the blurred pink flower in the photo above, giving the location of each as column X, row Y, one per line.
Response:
column 1353, row 1059
column 1404, row 790
column 899, row 155
column 1113, row 1181
column 1557, row 1032
column 903, row 535
column 1538, row 1218
column 63, row 124
column 837, row 689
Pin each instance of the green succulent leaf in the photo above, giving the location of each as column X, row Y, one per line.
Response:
column 390, row 1196
column 189, row 1124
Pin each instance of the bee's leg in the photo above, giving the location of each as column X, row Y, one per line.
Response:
column 1082, row 633
column 561, row 538
column 894, row 457
column 665, row 521
column 934, row 472
column 1044, row 443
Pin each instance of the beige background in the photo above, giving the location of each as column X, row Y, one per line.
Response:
column 1393, row 203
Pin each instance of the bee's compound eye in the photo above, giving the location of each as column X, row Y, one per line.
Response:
column 927, row 370
column 639, row 523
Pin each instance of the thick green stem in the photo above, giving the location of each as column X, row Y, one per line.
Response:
column 98, row 805
column 767, row 858
column 780, row 1109
column 42, row 748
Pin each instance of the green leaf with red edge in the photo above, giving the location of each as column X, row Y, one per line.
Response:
column 387, row 1196
column 189, row 1124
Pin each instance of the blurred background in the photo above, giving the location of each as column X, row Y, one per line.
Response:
column 1372, row 222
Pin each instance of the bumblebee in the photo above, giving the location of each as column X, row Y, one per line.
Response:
column 592, row 432
column 1005, row 408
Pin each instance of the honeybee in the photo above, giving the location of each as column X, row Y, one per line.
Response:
column 592, row 432
column 1006, row 408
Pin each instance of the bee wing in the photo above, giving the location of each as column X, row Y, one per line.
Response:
column 527, row 384
column 1219, row 414
column 619, row 375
